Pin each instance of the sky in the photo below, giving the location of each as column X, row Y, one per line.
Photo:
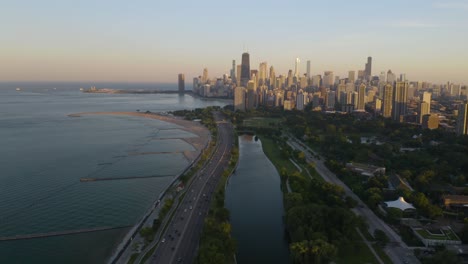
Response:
column 153, row 41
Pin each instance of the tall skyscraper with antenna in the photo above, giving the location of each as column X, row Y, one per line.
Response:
column 245, row 69
column 368, row 69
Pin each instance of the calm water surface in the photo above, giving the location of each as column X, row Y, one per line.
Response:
column 44, row 153
column 254, row 198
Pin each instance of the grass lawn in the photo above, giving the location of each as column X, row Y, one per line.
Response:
column 272, row 152
column 449, row 235
column 265, row 122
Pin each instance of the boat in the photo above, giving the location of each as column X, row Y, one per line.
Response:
column 18, row 89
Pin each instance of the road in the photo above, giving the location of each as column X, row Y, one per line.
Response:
column 397, row 250
column 179, row 242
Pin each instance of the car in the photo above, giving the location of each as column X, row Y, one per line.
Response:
column 179, row 260
column 185, row 210
column 163, row 240
column 190, row 207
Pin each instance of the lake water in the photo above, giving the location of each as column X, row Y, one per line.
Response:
column 254, row 199
column 44, row 153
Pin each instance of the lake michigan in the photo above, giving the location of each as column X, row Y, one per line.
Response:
column 44, row 153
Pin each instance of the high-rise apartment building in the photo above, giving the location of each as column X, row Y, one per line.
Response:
column 301, row 100
column 239, row 98
column 290, row 79
column 351, row 76
column 387, row 100
column 462, row 122
column 424, row 108
column 251, row 95
column 328, row 79
column 391, row 77
column 181, row 83
column 238, row 75
column 400, row 98
column 430, row 121
column 331, row 96
column 245, row 69
column 262, row 73
column 426, row 97
column 316, row 80
column 361, row 97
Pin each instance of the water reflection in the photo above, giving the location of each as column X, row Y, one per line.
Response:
column 254, row 199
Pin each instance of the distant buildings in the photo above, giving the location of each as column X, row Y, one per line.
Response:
column 384, row 95
column 181, row 83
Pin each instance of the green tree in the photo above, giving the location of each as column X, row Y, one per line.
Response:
column 381, row 237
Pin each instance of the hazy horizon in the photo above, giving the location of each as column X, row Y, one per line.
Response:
column 149, row 42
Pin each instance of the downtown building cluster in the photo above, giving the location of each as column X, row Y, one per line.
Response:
column 363, row 93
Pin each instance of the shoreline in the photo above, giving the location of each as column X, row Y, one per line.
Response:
column 199, row 143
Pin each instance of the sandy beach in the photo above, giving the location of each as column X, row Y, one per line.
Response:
column 199, row 142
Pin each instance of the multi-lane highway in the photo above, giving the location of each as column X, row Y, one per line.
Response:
column 179, row 242
column 397, row 250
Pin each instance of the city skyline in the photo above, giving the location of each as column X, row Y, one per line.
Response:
column 153, row 42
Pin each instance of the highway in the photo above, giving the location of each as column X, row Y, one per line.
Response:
column 397, row 250
column 179, row 242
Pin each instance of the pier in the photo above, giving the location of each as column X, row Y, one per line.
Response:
column 59, row 233
column 123, row 178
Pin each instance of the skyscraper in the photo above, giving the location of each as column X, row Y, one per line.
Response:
column 424, row 108
column 296, row 68
column 262, row 74
column 239, row 98
column 400, row 97
column 233, row 71
column 351, row 76
column 391, row 78
column 290, row 79
column 272, row 78
column 368, row 69
column 245, row 71
column 328, row 79
column 204, row 76
column 361, row 97
column 181, row 83
column 462, row 122
column 308, row 70
column 387, row 100
column 238, row 75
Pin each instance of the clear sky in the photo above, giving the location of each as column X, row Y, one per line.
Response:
column 153, row 41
